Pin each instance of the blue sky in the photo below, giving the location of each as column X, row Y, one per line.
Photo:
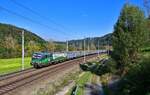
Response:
column 75, row 18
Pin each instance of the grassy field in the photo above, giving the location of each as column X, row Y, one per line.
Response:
column 11, row 65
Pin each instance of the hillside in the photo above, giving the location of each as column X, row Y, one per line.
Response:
column 10, row 30
column 10, row 41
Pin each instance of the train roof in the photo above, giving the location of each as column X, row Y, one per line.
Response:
column 41, row 53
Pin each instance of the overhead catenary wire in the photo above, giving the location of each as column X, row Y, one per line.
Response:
column 31, row 20
column 38, row 14
column 41, row 16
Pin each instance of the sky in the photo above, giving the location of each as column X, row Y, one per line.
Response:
column 63, row 20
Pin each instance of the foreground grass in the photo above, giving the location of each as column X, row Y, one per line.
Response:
column 13, row 64
column 82, row 81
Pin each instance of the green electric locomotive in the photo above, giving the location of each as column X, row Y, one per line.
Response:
column 40, row 59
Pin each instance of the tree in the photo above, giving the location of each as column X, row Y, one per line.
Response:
column 92, row 46
column 128, row 36
column 60, row 47
column 9, row 42
column 80, row 47
column 72, row 48
column 10, row 45
column 148, row 32
column 136, row 81
column 32, row 46
column 50, row 46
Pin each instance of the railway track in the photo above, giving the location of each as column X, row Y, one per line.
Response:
column 11, row 82
column 17, row 73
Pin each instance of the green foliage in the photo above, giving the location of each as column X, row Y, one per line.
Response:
column 146, row 45
column 72, row 48
column 60, row 47
column 84, row 67
column 100, row 68
column 148, row 28
column 129, row 36
column 50, row 46
column 137, row 80
column 103, row 68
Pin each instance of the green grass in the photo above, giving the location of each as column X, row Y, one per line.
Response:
column 103, row 56
column 81, row 82
column 13, row 64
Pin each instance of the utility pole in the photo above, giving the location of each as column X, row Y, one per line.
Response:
column 22, row 49
column 53, row 47
column 88, row 45
column 98, row 47
column 84, row 49
column 67, row 45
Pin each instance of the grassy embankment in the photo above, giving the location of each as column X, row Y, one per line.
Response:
column 82, row 81
column 87, row 77
column 13, row 64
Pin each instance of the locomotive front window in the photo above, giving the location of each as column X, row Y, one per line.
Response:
column 37, row 56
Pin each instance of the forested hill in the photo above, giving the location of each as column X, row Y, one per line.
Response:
column 10, row 41
column 93, row 43
column 7, row 30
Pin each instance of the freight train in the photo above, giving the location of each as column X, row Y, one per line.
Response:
column 42, row 59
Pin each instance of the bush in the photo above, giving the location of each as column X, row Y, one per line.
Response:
column 137, row 80
column 84, row 67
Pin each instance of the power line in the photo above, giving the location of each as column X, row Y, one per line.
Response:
column 38, row 14
column 29, row 19
column 41, row 16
